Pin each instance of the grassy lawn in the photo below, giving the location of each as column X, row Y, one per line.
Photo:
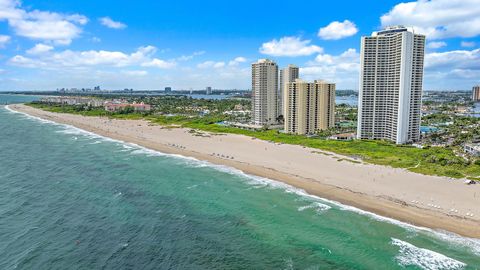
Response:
column 431, row 161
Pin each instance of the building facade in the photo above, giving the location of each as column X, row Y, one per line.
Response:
column 287, row 75
column 476, row 93
column 264, row 92
column 390, row 90
column 309, row 106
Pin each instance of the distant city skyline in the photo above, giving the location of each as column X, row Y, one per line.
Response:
column 45, row 45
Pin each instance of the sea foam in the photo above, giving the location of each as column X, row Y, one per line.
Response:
column 410, row 255
column 318, row 207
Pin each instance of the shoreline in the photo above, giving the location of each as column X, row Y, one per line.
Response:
column 312, row 170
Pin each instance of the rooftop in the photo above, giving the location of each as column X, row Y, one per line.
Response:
column 392, row 30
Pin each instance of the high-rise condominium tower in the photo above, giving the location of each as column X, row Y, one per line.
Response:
column 264, row 92
column 476, row 93
column 309, row 107
column 391, row 78
column 287, row 75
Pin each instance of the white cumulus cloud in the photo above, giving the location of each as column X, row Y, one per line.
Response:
column 458, row 59
column 143, row 56
column 467, row 44
column 108, row 22
column 437, row 19
column 237, row 61
column 289, row 46
column 159, row 63
column 40, row 48
column 41, row 25
column 4, row 40
column 458, row 69
column 341, row 69
column 211, row 64
column 338, row 30
column 436, row 44
column 191, row 56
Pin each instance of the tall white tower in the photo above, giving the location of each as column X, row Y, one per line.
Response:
column 287, row 75
column 391, row 77
column 264, row 92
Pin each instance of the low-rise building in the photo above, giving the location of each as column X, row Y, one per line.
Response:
column 472, row 149
column 343, row 137
column 138, row 107
column 94, row 102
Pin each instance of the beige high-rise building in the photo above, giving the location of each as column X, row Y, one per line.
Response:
column 264, row 92
column 287, row 75
column 309, row 106
column 391, row 76
column 476, row 93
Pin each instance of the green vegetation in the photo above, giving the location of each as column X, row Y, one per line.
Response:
column 128, row 113
column 431, row 160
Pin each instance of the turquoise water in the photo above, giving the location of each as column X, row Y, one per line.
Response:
column 7, row 99
column 73, row 200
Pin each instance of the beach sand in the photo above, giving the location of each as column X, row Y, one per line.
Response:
column 428, row 201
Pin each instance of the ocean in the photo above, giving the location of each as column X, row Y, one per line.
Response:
column 70, row 199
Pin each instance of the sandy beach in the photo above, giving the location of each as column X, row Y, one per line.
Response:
column 428, row 201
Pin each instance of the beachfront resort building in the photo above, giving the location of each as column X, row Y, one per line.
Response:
column 264, row 92
column 390, row 90
column 309, row 106
column 73, row 100
column 476, row 93
column 118, row 106
column 287, row 75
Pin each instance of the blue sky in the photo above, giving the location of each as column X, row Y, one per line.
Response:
column 193, row 44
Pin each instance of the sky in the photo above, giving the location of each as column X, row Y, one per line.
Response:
column 144, row 44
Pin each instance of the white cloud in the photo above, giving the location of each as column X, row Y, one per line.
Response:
column 437, row 19
column 22, row 61
column 211, row 64
column 221, row 64
column 41, row 25
column 341, row 69
column 459, row 69
column 108, row 22
column 80, row 59
column 467, row 44
column 289, row 46
column 191, row 56
column 4, row 40
column 237, row 61
column 459, row 59
column 338, row 30
column 40, row 48
column 436, row 44
column 159, row 63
